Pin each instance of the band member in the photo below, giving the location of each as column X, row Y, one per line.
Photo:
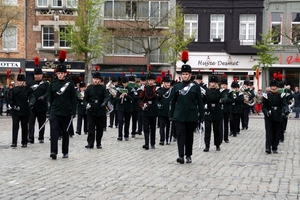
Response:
column 274, row 107
column 62, row 99
column 149, row 107
column 96, row 98
column 40, row 107
column 225, row 107
column 135, row 105
column 248, row 98
column 236, row 99
column 163, row 102
column 81, row 110
column 199, row 80
column 124, row 108
column 186, row 110
column 20, row 109
column 143, row 81
column 290, row 102
column 212, row 98
column 112, row 88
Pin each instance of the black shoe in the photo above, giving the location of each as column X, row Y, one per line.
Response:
column 119, row 138
column 13, row 145
column 104, row 129
column 126, row 139
column 70, row 136
column 133, row 136
column 24, row 145
column 139, row 132
column 206, row 149
column 41, row 141
column 85, row 133
column 53, row 156
column 89, row 146
column 146, row 147
column 246, row 127
column 275, row 151
column 231, row 133
column 110, row 126
column 227, row 141
column 234, row 135
column 78, row 133
column 280, row 140
column 161, row 143
column 99, row 147
column 174, row 140
column 188, row 159
column 167, row 143
column 59, row 138
column 268, row 151
column 218, row 148
column 152, row 146
column 180, row 160
column 65, row 156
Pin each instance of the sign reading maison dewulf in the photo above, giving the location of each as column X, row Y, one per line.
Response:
column 10, row 64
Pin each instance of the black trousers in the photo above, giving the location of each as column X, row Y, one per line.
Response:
column 272, row 134
column 123, row 118
column 224, row 127
column 134, row 121
column 216, row 130
column 185, row 137
column 59, row 125
column 164, row 128
column 113, row 116
column 79, row 123
column 283, row 128
column 15, row 128
column 96, row 125
column 41, row 118
column 245, row 117
column 149, row 129
column 235, row 123
column 140, row 120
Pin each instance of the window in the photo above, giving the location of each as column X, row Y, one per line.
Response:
column 276, row 25
column 247, row 29
column 10, row 2
column 159, row 14
column 191, row 26
column 9, row 38
column 157, row 56
column 296, row 27
column 217, row 22
column 57, row 3
column 42, row 3
column 62, row 39
column 71, row 4
column 48, row 36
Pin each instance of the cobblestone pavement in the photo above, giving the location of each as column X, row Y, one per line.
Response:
column 124, row 170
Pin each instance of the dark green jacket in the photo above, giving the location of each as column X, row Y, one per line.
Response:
column 213, row 110
column 40, row 89
column 125, row 105
column 148, row 96
column 81, row 108
column 95, row 95
column 225, row 105
column 236, row 100
column 274, row 106
column 163, row 102
column 62, row 104
column 188, row 107
column 22, row 97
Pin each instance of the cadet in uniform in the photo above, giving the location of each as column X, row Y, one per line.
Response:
column 225, row 106
column 113, row 116
column 135, row 105
column 186, row 111
column 143, row 82
column 212, row 98
column 96, row 98
column 81, row 110
column 248, row 97
column 40, row 108
column 20, row 109
column 62, row 110
column 274, row 107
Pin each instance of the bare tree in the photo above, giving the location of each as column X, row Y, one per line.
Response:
column 9, row 13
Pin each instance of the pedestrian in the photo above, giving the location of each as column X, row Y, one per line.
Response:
column 274, row 107
column 96, row 98
column 148, row 103
column 259, row 100
column 62, row 110
column 213, row 116
column 163, row 102
column 124, row 108
column 81, row 110
column 20, row 104
column 186, row 111
column 296, row 96
column 40, row 108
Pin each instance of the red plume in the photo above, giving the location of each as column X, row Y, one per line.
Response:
column 235, row 79
column 185, row 56
column 123, row 74
column 68, row 72
column 20, row 70
column 199, row 71
column 224, row 75
column 149, row 67
column 274, row 75
column 130, row 70
column 213, row 70
column 36, row 61
column 168, row 71
column 163, row 73
column 143, row 73
column 8, row 73
column 79, row 78
column 170, row 75
column 158, row 79
column 279, row 77
column 54, row 70
column 96, row 67
column 62, row 56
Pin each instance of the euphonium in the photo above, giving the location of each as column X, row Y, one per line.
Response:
column 111, row 88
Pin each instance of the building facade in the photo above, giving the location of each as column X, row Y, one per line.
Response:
column 224, row 33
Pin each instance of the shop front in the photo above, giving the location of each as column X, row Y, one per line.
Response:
column 9, row 69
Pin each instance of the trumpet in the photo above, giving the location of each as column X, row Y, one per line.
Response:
column 111, row 88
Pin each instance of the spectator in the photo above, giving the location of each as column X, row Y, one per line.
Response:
column 259, row 100
column 297, row 101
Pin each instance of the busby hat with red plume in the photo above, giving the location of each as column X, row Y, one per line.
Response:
column 131, row 77
column 184, row 59
column 21, row 77
column 97, row 73
column 235, row 84
column 37, row 68
column 150, row 74
column 81, row 83
column 61, row 67
column 143, row 77
column 199, row 76
column 124, row 78
column 224, row 79
column 164, row 77
column 213, row 77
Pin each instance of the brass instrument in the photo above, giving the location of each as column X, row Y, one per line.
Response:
column 122, row 91
column 111, row 88
column 109, row 108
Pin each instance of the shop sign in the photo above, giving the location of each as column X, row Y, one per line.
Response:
column 218, row 63
column 52, row 65
column 10, row 64
column 293, row 59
